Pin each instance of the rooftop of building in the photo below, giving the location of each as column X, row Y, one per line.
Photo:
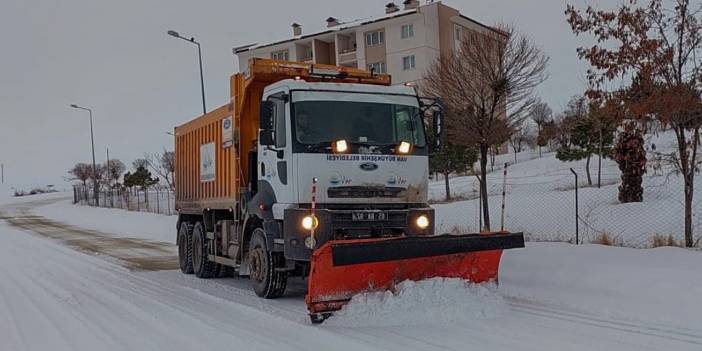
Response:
column 349, row 25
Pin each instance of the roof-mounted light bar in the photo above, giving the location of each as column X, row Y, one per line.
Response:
column 327, row 72
column 271, row 70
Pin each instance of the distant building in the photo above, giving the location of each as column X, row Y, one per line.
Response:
column 403, row 42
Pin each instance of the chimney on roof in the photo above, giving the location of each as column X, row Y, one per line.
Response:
column 391, row 7
column 331, row 22
column 297, row 29
column 411, row 4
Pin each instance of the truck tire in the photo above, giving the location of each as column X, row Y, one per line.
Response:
column 268, row 282
column 185, row 249
column 202, row 266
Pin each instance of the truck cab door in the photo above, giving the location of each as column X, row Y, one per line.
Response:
column 274, row 158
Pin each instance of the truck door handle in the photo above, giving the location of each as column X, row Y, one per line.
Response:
column 280, row 153
column 263, row 169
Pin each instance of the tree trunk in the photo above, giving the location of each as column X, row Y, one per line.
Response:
column 689, row 187
column 689, row 174
column 587, row 170
column 599, row 162
column 492, row 159
column 515, row 153
column 448, row 189
column 484, row 148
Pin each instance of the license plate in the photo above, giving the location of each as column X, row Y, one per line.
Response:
column 369, row 216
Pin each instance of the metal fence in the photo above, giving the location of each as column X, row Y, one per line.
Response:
column 541, row 206
column 545, row 208
column 158, row 199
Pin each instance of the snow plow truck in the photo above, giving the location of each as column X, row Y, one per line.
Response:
column 322, row 172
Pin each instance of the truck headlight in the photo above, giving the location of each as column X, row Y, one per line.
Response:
column 422, row 222
column 310, row 222
column 404, row 147
column 340, row 146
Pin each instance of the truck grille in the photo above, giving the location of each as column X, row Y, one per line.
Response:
column 363, row 192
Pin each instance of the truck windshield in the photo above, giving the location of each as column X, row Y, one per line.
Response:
column 367, row 123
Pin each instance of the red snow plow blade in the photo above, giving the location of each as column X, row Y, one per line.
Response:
column 342, row 269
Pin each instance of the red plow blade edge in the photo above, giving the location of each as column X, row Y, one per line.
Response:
column 342, row 269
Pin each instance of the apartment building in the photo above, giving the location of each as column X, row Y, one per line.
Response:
column 402, row 42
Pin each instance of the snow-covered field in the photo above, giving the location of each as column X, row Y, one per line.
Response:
column 540, row 201
column 552, row 296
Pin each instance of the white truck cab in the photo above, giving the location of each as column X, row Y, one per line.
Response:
column 363, row 148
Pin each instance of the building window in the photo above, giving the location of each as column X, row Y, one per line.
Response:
column 407, row 31
column 282, row 55
column 378, row 67
column 408, row 62
column 375, row 38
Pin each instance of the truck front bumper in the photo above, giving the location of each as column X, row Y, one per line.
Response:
column 343, row 224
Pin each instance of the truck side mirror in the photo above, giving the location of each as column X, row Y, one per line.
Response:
column 438, row 120
column 266, row 136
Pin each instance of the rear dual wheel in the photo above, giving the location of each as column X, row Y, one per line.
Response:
column 202, row 266
column 185, row 249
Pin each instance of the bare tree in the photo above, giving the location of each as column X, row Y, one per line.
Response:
column 520, row 136
column 487, row 83
column 100, row 174
column 115, row 169
column 140, row 162
column 541, row 114
column 164, row 166
column 654, row 45
column 81, row 172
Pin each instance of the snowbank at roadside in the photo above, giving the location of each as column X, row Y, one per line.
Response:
column 439, row 300
column 652, row 286
column 118, row 222
column 7, row 196
column 663, row 284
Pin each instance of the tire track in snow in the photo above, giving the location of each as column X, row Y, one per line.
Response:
column 536, row 309
column 135, row 254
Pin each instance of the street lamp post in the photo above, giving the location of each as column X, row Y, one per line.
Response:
column 199, row 55
column 92, row 143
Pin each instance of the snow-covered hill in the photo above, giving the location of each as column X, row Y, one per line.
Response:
column 540, row 200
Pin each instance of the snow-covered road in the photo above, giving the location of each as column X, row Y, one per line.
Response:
column 54, row 297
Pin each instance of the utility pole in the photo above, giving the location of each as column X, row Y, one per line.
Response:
column 107, row 165
column 92, row 143
column 2, row 173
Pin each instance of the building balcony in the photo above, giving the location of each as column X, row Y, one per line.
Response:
column 347, row 56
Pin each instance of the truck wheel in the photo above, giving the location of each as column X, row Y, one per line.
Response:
column 267, row 282
column 202, row 266
column 185, row 249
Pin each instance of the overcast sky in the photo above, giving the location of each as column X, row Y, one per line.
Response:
column 115, row 57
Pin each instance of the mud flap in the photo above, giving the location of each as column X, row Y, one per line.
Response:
column 342, row 269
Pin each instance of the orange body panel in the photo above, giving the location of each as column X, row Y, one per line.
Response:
column 188, row 139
